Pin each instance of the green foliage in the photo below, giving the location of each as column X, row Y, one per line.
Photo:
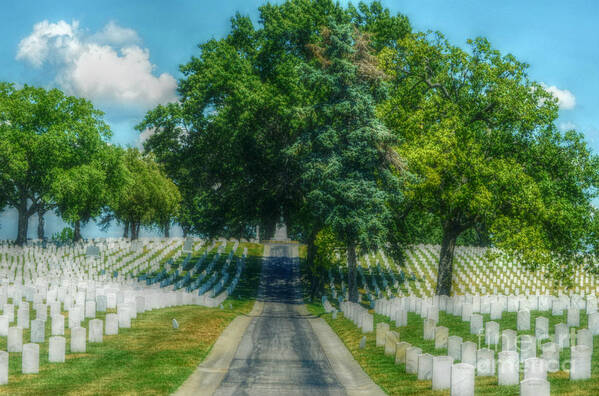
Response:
column 44, row 133
column 64, row 236
column 343, row 167
column 480, row 139
column 226, row 143
column 147, row 197
column 83, row 192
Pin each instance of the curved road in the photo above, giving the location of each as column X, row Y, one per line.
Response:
column 280, row 354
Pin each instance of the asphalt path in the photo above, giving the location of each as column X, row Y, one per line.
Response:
column 280, row 354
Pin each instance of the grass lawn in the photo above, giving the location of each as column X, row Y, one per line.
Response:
column 151, row 358
column 393, row 379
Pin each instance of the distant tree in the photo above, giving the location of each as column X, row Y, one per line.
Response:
column 166, row 203
column 43, row 134
column 82, row 193
column 480, row 139
column 147, row 197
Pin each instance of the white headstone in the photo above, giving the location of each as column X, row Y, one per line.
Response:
column 476, row 324
column 496, row 311
column 400, row 352
column 508, row 340
column 454, row 347
column 485, row 363
column 425, row 366
column 30, row 363
column 3, row 326
column 442, row 372
column 508, row 368
column 573, row 317
column 534, row 387
column 562, row 335
column 56, row 349
column 593, row 323
column 101, row 303
column 23, row 317
column 90, row 309
column 535, row 368
column 75, row 317
column 3, row 367
column 492, row 333
column 523, row 320
column 15, row 339
column 466, row 312
column 381, row 331
column 528, row 347
column 429, row 329
column 78, row 340
column 412, row 359
column 112, row 324
column 41, row 312
column 38, row 331
column 57, row 325
column 441, row 335
column 124, row 318
column 462, row 379
column 584, row 337
column 391, row 339
column 580, row 362
column 468, row 353
column 550, row 353
column 541, row 328
column 96, row 327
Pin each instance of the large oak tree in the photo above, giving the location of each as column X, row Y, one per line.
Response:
column 480, row 139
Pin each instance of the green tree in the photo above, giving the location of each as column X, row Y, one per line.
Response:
column 345, row 174
column 82, row 193
column 166, row 203
column 147, row 198
column 43, row 133
column 226, row 144
column 480, row 139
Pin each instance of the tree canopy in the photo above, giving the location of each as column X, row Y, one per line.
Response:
column 44, row 133
column 147, row 198
column 340, row 118
column 480, row 139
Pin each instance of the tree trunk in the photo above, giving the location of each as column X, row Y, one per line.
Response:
column 126, row 230
column 134, row 230
column 22, row 222
column 445, row 274
column 77, row 233
column 40, row 223
column 167, row 230
column 185, row 231
column 353, row 279
column 313, row 272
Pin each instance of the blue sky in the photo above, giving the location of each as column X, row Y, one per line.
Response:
column 124, row 55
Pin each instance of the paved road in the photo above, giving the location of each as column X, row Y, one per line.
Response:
column 279, row 353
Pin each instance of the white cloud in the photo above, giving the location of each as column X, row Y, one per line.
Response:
column 108, row 67
column 47, row 38
column 143, row 136
column 114, row 34
column 565, row 99
column 566, row 126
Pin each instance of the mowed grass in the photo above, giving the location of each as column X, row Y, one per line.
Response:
column 394, row 380
column 150, row 358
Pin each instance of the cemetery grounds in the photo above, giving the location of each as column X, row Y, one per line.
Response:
column 149, row 357
column 475, row 273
